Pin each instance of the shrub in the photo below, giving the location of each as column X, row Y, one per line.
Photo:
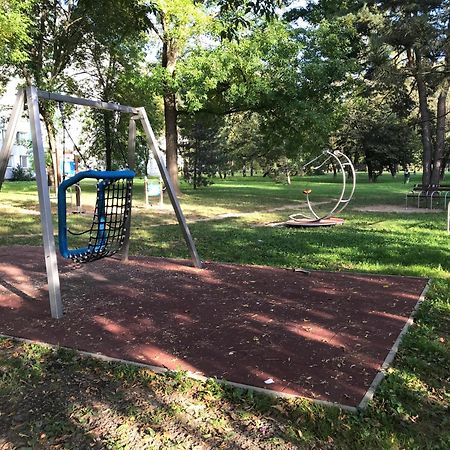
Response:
column 21, row 174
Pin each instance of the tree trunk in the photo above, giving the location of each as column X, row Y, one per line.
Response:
column 370, row 170
column 56, row 169
column 170, row 120
column 425, row 121
column 169, row 60
column 440, row 136
column 195, row 167
column 393, row 169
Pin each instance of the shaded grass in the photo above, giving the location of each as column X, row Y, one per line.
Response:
column 56, row 399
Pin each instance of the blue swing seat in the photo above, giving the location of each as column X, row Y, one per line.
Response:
column 111, row 217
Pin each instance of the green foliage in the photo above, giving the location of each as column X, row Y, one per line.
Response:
column 21, row 174
column 14, row 31
column 404, row 53
column 372, row 133
column 235, row 15
column 203, row 157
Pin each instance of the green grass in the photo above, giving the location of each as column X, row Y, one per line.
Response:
column 58, row 399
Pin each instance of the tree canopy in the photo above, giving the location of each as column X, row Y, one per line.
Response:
column 251, row 83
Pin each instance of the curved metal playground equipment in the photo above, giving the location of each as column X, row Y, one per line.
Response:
column 347, row 191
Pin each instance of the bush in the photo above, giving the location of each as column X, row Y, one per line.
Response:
column 21, row 174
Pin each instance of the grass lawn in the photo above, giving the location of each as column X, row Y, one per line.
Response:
column 57, row 399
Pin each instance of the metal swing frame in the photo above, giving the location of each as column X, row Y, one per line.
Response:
column 31, row 96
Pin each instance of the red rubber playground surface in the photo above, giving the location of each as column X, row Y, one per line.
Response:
column 320, row 335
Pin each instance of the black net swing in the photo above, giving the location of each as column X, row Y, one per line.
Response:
column 111, row 216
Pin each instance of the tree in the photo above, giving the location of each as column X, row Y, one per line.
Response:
column 419, row 32
column 201, row 150
column 173, row 23
column 56, row 29
column 113, row 45
column 407, row 47
column 14, row 31
column 291, row 81
column 374, row 134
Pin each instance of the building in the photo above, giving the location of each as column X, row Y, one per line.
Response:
column 21, row 153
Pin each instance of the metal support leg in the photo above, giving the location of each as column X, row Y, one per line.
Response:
column 151, row 140
column 51, row 263
column 131, row 159
column 5, row 152
column 132, row 165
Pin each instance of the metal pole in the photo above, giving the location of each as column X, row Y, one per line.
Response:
column 146, row 191
column 131, row 159
column 51, row 262
column 86, row 102
column 170, row 190
column 10, row 134
column 132, row 144
column 161, row 192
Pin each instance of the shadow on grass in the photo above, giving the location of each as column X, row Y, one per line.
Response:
column 57, row 398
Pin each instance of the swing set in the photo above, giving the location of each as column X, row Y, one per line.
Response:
column 109, row 232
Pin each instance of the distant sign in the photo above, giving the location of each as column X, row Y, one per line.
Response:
column 153, row 189
column 68, row 167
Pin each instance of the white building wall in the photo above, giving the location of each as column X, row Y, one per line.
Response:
column 21, row 151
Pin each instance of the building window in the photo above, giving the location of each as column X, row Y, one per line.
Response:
column 10, row 161
column 24, row 161
column 21, row 137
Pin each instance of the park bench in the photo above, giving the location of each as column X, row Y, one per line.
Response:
column 429, row 193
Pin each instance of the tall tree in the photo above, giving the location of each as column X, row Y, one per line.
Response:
column 419, row 31
column 289, row 78
column 407, row 45
column 14, row 32
column 114, row 51
column 56, row 29
column 173, row 23
column 374, row 134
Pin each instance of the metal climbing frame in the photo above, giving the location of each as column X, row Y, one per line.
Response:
column 344, row 162
column 32, row 95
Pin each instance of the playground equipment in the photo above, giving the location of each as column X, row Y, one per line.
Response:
column 98, row 232
column 111, row 219
column 153, row 189
column 314, row 218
